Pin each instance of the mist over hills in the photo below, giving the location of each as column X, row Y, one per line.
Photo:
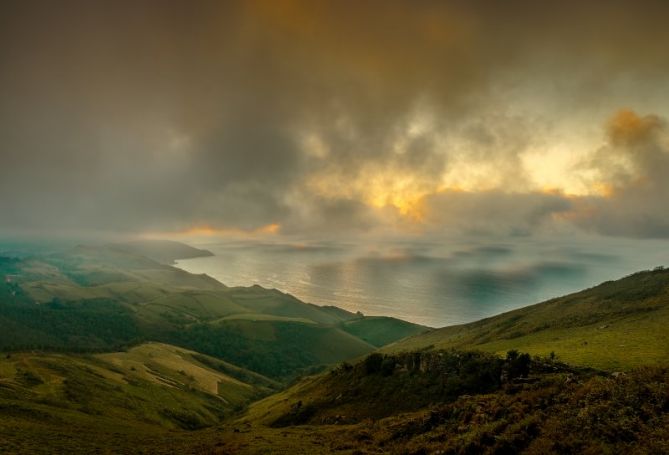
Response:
column 163, row 251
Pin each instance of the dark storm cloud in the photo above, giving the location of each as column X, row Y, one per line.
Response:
column 156, row 115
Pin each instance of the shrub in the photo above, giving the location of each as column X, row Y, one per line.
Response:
column 388, row 366
column 518, row 364
column 372, row 364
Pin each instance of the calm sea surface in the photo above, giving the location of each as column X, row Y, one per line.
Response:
column 431, row 283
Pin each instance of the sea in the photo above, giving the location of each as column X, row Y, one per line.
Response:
column 431, row 282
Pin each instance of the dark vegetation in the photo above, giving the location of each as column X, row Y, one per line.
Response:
column 471, row 403
column 87, row 326
column 557, row 414
column 383, row 385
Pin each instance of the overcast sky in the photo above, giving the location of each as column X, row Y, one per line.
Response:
column 334, row 118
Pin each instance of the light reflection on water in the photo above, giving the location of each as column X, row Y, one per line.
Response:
column 435, row 284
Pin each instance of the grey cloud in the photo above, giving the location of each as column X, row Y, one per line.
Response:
column 639, row 183
column 92, row 91
column 494, row 211
column 330, row 216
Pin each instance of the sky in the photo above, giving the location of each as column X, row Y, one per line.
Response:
column 334, row 119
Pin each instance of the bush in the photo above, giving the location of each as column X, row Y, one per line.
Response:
column 518, row 364
column 372, row 364
column 388, row 366
column 298, row 415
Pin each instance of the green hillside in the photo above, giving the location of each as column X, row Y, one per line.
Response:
column 211, row 379
column 616, row 325
column 273, row 347
column 49, row 401
column 102, row 298
column 381, row 330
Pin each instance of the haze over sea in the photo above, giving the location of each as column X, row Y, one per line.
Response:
column 432, row 283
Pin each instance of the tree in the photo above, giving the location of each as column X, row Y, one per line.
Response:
column 518, row 364
column 372, row 363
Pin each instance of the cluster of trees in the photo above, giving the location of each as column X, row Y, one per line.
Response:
column 515, row 365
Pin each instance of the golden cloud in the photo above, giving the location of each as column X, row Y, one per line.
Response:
column 627, row 128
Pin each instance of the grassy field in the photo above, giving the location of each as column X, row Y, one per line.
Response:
column 617, row 325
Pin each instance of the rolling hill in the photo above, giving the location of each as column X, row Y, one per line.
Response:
column 47, row 401
column 213, row 378
column 617, row 325
column 381, row 330
column 103, row 298
column 466, row 389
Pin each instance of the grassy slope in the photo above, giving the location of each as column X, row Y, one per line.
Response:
column 49, row 400
column 381, row 330
column 616, row 325
column 165, row 364
column 103, row 298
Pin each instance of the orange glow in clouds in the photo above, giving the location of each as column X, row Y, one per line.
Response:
column 210, row 231
column 627, row 127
